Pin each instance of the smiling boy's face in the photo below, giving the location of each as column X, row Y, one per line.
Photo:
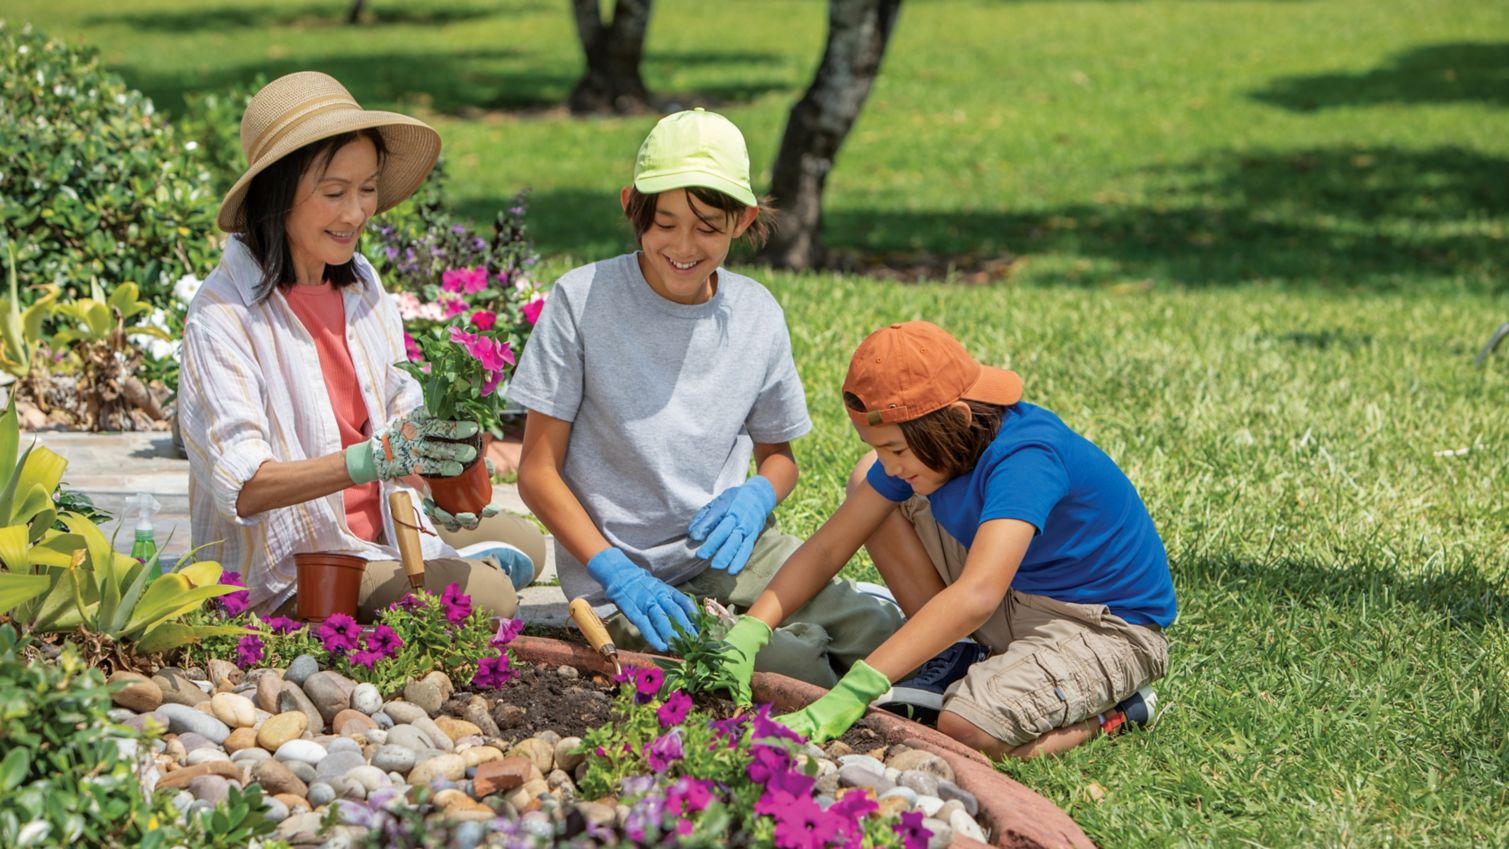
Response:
column 685, row 244
column 897, row 459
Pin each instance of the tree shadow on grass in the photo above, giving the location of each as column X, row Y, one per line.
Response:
column 1339, row 217
column 581, row 223
column 445, row 82
column 1442, row 73
column 330, row 14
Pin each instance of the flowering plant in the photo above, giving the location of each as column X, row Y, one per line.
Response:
column 690, row 779
column 468, row 304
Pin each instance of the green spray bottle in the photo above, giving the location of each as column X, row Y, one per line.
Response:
column 144, row 547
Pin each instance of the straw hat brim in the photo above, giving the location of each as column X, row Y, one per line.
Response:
column 413, row 148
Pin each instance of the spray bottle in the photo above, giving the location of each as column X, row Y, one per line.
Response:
column 144, row 547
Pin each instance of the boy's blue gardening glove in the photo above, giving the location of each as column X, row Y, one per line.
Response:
column 745, row 639
column 732, row 522
column 650, row 603
column 832, row 714
column 407, row 446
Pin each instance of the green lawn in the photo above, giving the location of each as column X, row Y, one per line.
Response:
column 1256, row 246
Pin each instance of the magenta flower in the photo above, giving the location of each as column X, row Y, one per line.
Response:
column 339, row 633
column 474, row 280
column 490, row 383
column 233, row 604
column 688, row 795
column 408, row 602
column 453, row 306
column 508, row 629
column 249, row 651
column 411, row 348
column 765, row 727
column 383, row 642
column 851, row 810
column 766, row 762
column 483, row 319
column 674, row 710
column 367, row 659
column 800, row 823
column 914, row 834
column 626, row 674
column 451, row 280
column 493, row 672
column 282, row 624
column 788, row 783
column 664, row 751
column 647, row 684
column 730, row 730
column 457, row 605
column 532, row 310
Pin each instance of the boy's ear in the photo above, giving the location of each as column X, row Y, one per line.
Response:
column 623, row 198
column 746, row 218
column 962, row 410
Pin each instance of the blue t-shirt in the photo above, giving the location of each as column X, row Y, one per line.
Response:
column 1096, row 543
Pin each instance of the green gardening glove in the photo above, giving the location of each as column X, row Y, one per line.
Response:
column 409, row 445
column 455, row 522
column 832, row 714
column 745, row 639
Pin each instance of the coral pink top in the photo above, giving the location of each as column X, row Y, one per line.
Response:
column 323, row 312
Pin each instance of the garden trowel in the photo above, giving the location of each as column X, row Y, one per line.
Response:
column 401, row 508
column 596, row 632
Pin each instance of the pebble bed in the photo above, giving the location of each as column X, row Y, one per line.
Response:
column 311, row 737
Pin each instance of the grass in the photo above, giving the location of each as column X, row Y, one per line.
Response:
column 1256, row 245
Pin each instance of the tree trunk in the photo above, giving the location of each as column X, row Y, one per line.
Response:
column 356, row 12
column 858, row 32
column 611, row 82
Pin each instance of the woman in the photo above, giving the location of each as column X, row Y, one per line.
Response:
column 297, row 423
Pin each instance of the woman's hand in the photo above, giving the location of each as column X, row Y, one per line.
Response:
column 413, row 444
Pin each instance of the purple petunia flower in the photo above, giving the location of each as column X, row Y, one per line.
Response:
column 383, row 642
column 664, row 751
column 851, row 810
column 366, row 659
column 458, row 605
column 408, row 602
column 803, row 824
column 766, row 762
column 282, row 624
column 674, row 710
column 688, row 795
column 765, row 727
column 493, row 672
column 508, row 629
column 339, row 633
column 647, row 684
column 249, row 651
column 233, row 604
column 730, row 730
column 914, row 835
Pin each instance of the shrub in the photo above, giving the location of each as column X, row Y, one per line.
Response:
column 93, row 182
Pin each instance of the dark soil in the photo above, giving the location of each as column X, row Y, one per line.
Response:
column 541, row 699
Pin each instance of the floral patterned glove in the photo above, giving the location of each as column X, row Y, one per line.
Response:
column 408, row 446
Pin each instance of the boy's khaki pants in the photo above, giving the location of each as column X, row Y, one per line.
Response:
column 1052, row 663
column 817, row 644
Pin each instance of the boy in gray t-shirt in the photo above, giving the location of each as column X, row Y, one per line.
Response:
column 651, row 381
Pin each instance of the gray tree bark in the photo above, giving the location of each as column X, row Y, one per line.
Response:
column 858, row 32
column 613, row 50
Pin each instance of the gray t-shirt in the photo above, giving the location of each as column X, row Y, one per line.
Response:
column 666, row 401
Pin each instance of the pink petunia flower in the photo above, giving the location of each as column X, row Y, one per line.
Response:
column 674, row 710
column 532, row 310
column 765, row 727
column 494, row 672
column 453, row 306
column 384, row 642
column 688, row 795
column 914, row 835
column 483, row 319
column 508, row 629
column 803, row 824
column 366, row 659
column 664, row 751
column 411, row 348
column 282, row 624
column 451, row 280
column 647, row 684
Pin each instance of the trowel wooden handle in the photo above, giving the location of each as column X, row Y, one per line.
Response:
column 401, row 508
column 592, row 627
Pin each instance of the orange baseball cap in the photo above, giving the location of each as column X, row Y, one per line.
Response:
column 906, row 371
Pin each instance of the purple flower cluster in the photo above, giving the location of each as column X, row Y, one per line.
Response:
column 457, row 604
column 646, row 682
column 508, row 629
column 340, row 633
column 249, row 651
column 282, row 624
column 675, row 709
column 380, row 644
column 494, row 672
column 233, row 604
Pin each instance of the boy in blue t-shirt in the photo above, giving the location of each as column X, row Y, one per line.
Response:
column 991, row 518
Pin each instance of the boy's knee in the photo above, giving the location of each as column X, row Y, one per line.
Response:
column 861, row 471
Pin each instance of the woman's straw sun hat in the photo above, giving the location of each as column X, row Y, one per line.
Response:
column 307, row 106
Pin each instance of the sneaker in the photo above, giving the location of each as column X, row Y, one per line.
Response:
column 920, row 697
column 1140, row 707
column 514, row 562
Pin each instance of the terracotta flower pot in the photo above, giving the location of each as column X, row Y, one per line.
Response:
column 469, row 491
column 1018, row 818
column 329, row 583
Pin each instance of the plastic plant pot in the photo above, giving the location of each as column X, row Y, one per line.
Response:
column 329, row 583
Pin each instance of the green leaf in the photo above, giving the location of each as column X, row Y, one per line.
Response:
column 17, row 589
column 14, row 768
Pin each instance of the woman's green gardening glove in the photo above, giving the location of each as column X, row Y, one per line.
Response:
column 408, row 445
column 745, row 639
column 455, row 522
column 832, row 714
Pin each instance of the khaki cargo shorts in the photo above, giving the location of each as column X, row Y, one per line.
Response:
column 1052, row 663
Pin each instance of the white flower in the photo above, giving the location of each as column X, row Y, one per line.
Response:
column 186, row 287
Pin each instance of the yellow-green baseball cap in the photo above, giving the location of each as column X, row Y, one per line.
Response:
column 695, row 148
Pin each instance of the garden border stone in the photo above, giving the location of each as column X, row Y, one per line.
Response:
column 1017, row 817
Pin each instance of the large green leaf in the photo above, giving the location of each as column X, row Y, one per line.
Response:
column 172, row 635
column 18, row 588
column 108, row 577
column 176, row 593
column 10, row 441
column 15, row 548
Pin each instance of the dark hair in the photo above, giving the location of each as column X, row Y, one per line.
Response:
column 270, row 198
column 641, row 212
column 942, row 440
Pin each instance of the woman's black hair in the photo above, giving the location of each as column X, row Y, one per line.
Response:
column 270, row 198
